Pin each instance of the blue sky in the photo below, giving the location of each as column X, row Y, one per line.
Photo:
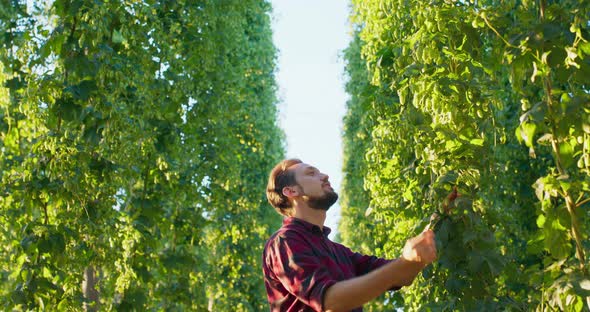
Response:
column 310, row 36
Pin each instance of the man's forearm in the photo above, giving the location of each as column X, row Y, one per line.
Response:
column 352, row 293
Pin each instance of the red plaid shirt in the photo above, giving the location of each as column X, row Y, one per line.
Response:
column 300, row 263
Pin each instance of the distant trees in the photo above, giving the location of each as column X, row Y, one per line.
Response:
column 135, row 141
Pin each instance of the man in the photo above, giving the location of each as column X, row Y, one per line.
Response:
column 305, row 271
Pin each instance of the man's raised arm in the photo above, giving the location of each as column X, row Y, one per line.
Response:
column 349, row 294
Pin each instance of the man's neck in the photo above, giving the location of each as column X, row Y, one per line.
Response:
column 313, row 216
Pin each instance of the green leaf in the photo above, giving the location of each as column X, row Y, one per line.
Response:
column 478, row 142
column 118, row 37
column 541, row 221
column 556, row 239
column 82, row 90
column 584, row 47
column 475, row 262
column 526, row 131
column 566, row 152
column 67, row 109
column 18, row 297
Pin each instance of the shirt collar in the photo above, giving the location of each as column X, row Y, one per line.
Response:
column 307, row 225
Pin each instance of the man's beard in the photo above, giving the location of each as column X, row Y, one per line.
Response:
column 322, row 202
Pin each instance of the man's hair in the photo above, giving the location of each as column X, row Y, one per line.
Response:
column 280, row 177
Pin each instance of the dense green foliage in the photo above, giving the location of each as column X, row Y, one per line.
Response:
column 135, row 140
column 491, row 97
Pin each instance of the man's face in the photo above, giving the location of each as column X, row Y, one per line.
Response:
column 315, row 187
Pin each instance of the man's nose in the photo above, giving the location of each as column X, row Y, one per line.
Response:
column 325, row 177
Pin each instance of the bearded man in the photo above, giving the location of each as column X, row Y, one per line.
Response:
column 305, row 271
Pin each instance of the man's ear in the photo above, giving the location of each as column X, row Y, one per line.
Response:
column 290, row 191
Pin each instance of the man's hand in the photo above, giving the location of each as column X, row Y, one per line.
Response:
column 420, row 249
